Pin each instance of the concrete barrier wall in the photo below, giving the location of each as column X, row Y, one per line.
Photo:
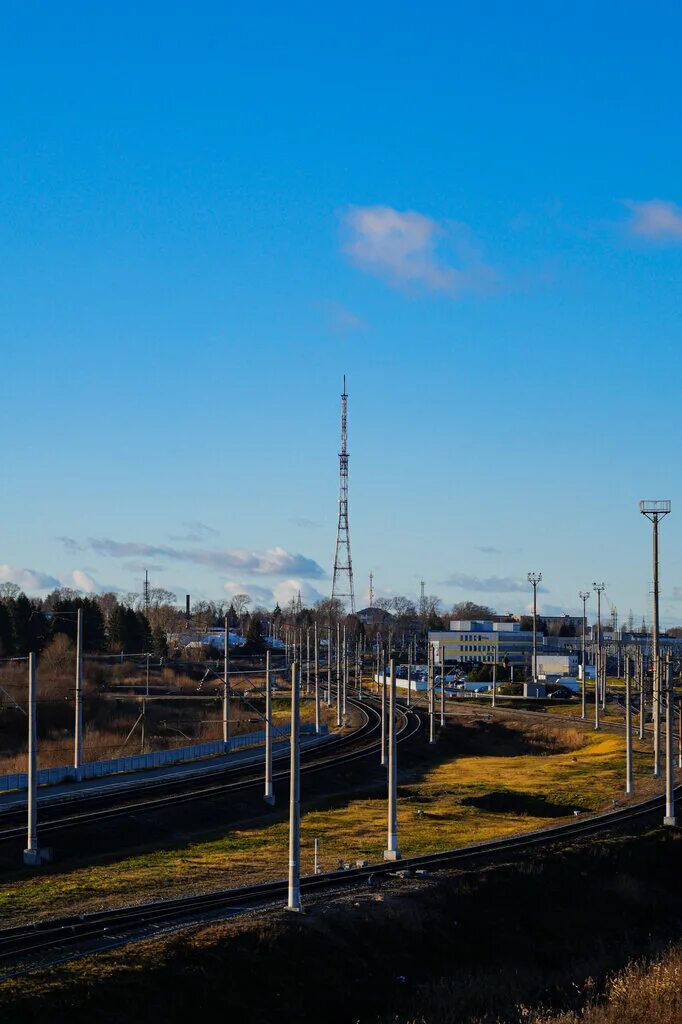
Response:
column 157, row 759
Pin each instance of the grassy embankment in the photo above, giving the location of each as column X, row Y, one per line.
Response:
column 484, row 779
column 508, row 944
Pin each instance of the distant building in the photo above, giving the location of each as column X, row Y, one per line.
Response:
column 556, row 664
column 477, row 642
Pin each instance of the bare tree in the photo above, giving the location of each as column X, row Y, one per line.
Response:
column 240, row 603
column 8, row 591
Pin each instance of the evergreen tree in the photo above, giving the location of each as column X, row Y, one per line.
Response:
column 115, row 627
column 29, row 626
column 6, row 632
column 144, row 632
column 159, row 642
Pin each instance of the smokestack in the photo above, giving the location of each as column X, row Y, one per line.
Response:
column 187, row 611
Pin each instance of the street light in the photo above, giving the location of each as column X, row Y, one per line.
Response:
column 534, row 578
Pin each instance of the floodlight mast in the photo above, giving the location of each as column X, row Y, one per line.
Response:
column 654, row 511
column 534, row 578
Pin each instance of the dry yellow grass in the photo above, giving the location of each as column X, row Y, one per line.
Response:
column 640, row 993
column 440, row 806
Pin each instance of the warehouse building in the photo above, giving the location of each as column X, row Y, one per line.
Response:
column 478, row 642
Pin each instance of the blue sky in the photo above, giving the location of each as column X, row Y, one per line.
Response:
column 210, row 212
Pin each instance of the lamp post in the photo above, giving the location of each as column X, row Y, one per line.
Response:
column 654, row 511
column 392, row 851
column 584, row 595
column 534, row 578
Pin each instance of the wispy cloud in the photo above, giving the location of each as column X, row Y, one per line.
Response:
column 341, row 320
column 658, row 220
column 490, row 584
column 306, row 524
column 488, row 550
column 196, row 531
column 27, row 579
column 71, row 545
column 272, row 562
column 402, row 248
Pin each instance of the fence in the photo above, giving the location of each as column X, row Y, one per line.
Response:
column 157, row 759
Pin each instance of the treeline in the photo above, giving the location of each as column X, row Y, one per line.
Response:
column 31, row 625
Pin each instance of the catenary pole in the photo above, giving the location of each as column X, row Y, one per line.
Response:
column 294, row 895
column 78, row 723
column 628, row 728
column 31, row 853
column 432, row 701
column 269, row 794
column 317, row 684
column 584, row 595
column 670, row 818
column 226, row 686
column 392, row 852
column 383, row 709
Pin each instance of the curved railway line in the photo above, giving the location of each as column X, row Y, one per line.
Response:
column 26, row 948
column 33, row 947
column 333, row 753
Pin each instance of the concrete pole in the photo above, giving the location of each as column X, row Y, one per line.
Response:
column 316, row 865
column 317, row 686
column 359, row 668
column 656, row 657
column 583, row 704
column 294, row 899
column 338, row 657
column 329, row 667
column 628, row 730
column 383, row 710
column 494, row 680
column 535, row 632
column 269, row 794
column 345, row 672
column 32, row 853
column 442, row 695
column 392, row 852
column 670, row 818
column 409, row 680
column 432, row 709
column 226, row 688
column 307, row 661
column 642, row 700
column 338, row 685
column 78, row 724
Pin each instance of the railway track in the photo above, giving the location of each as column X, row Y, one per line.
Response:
column 27, row 948
column 336, row 753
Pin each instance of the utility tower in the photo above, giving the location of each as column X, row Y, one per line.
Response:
column 422, row 599
column 371, row 590
column 145, row 593
column 342, row 583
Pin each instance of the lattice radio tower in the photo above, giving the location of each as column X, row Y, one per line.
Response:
column 342, row 583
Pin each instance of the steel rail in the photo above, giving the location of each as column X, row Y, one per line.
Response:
column 313, row 764
column 129, row 923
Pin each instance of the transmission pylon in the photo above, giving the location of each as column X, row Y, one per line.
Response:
column 342, row 582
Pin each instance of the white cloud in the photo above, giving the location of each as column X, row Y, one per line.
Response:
column 27, row 579
column 260, row 595
column 272, row 562
column 400, row 247
column 288, row 589
column 490, row 584
column 657, row 219
column 79, row 579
